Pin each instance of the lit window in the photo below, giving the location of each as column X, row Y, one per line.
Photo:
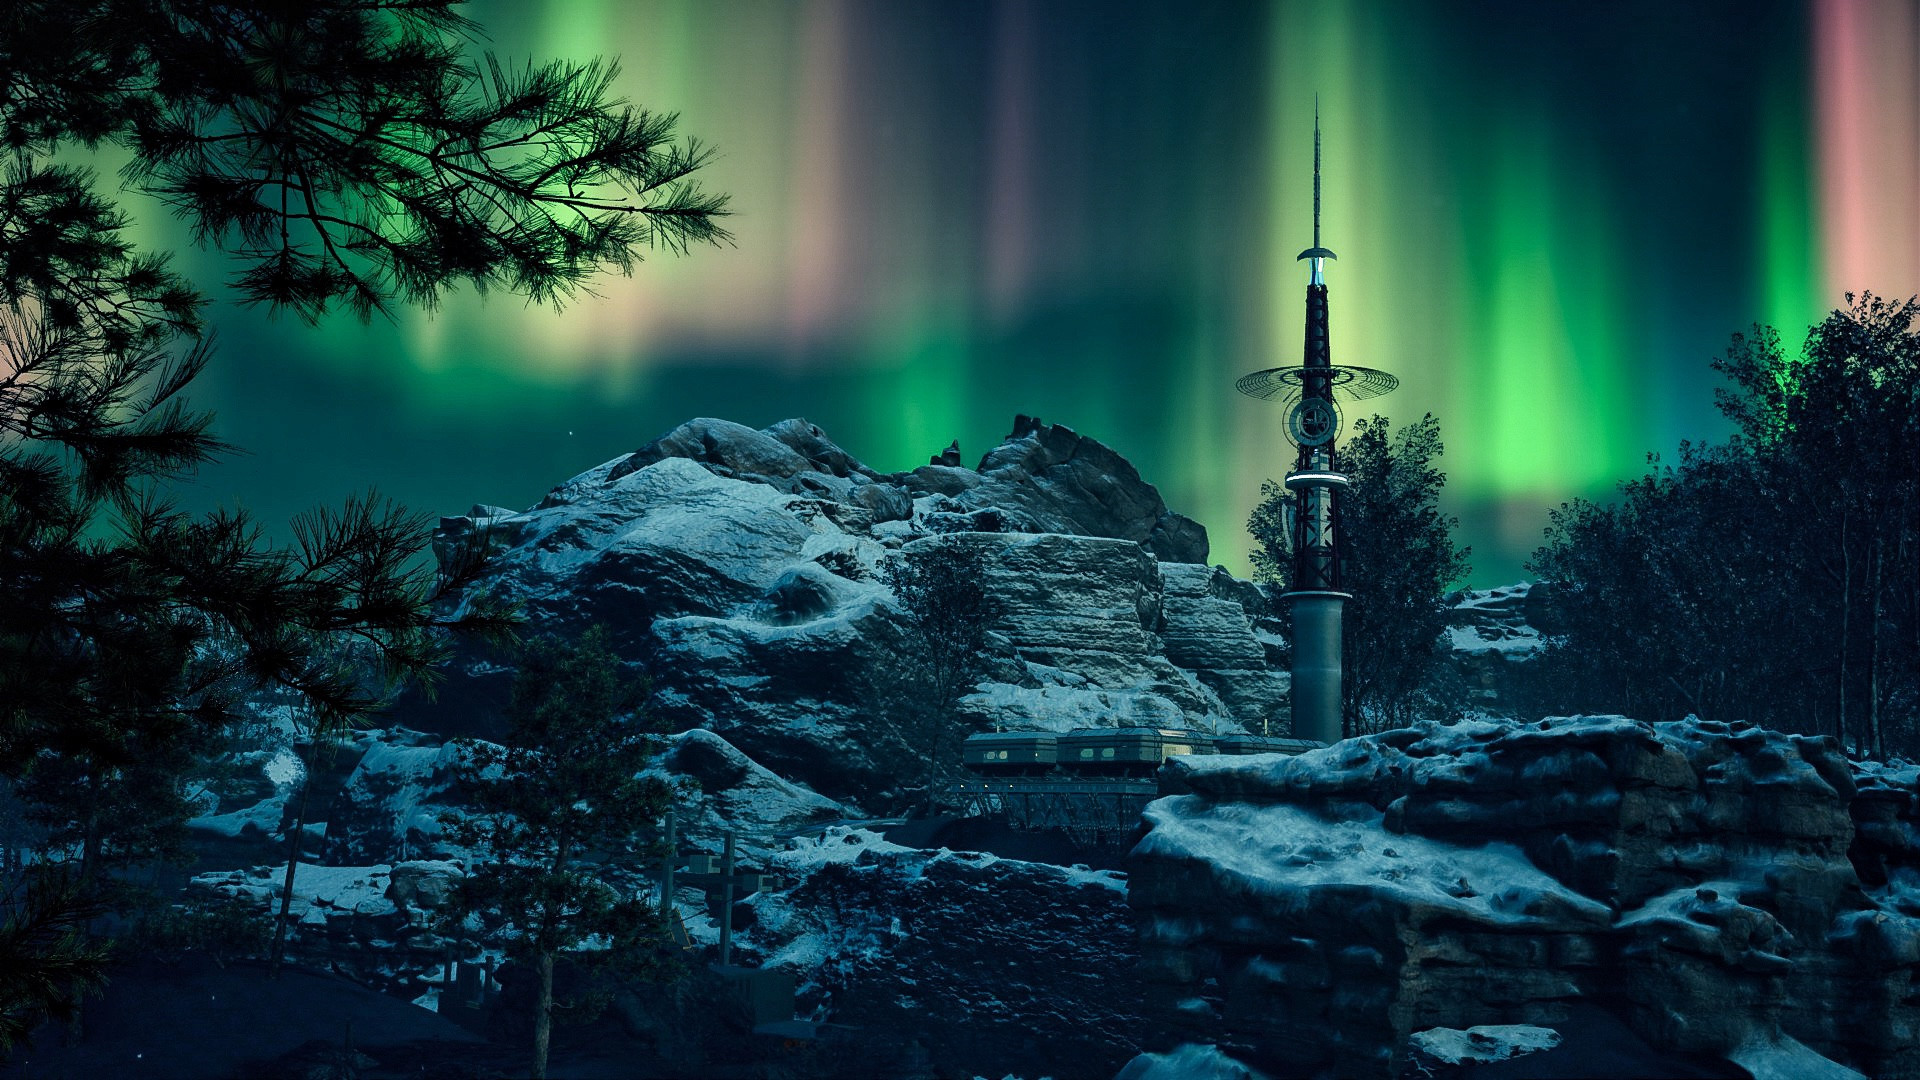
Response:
column 1106, row 752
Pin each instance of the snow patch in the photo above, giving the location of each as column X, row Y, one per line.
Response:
column 1189, row 1061
column 1484, row 1043
column 1786, row 1058
column 1278, row 850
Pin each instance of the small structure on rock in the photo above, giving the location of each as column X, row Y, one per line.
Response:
column 1314, row 592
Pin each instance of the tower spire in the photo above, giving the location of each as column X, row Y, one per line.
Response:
column 1316, row 253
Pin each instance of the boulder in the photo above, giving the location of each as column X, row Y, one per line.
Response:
column 424, row 884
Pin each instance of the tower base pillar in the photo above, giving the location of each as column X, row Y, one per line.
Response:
column 1316, row 664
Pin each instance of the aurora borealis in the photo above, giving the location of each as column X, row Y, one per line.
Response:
column 1549, row 219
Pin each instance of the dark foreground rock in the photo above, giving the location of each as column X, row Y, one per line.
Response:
column 1697, row 880
column 196, row 1019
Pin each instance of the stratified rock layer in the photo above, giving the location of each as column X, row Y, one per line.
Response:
column 1312, row 913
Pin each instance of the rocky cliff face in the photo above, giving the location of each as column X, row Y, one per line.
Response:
column 744, row 570
column 1705, row 883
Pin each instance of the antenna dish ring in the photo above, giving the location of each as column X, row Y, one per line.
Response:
column 1284, row 383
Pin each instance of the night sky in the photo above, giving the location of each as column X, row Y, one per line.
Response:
column 1549, row 219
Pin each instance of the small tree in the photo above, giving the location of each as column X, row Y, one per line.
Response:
column 559, row 797
column 1398, row 561
column 942, row 592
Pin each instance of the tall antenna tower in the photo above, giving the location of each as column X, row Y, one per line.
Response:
column 1314, row 593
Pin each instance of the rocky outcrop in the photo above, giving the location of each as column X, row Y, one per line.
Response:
column 971, row 965
column 1694, row 879
column 1060, row 481
column 744, row 571
column 1490, row 641
column 1211, row 625
column 1043, row 478
column 718, row 788
column 390, row 806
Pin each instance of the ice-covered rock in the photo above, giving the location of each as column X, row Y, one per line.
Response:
column 1697, row 878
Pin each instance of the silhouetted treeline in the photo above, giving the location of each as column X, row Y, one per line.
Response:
column 1772, row 578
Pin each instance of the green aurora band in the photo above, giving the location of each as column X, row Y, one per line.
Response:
column 948, row 213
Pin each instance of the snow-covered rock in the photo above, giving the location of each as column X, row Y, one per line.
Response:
column 391, row 804
column 1693, row 877
column 1491, row 636
column 744, row 571
column 1483, row 1044
column 731, row 791
column 1043, row 478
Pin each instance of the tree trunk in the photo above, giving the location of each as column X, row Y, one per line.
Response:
column 1846, row 620
column 89, row 865
column 543, row 1016
column 1876, row 742
column 295, row 836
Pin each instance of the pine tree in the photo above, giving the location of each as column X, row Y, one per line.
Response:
column 553, row 803
column 343, row 154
